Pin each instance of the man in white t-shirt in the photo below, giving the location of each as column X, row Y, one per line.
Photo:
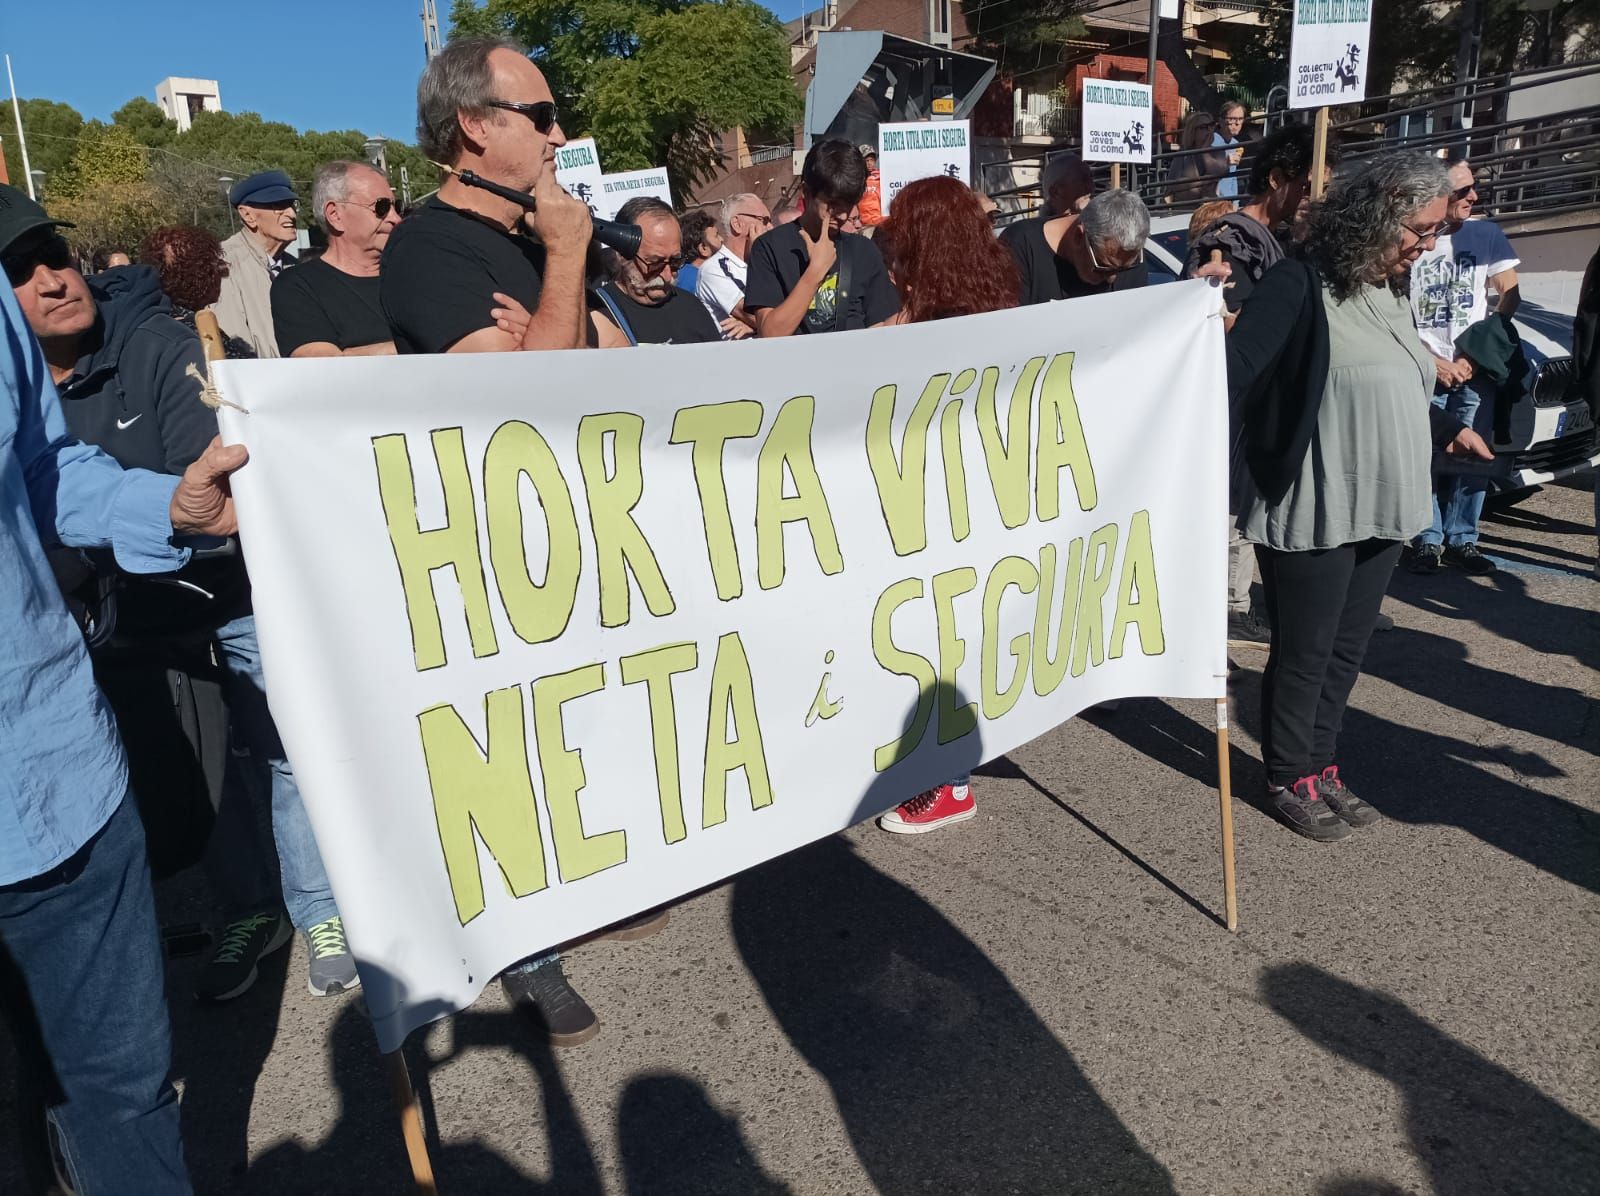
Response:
column 742, row 218
column 1450, row 285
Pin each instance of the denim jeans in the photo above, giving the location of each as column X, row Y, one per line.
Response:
column 83, row 940
column 306, row 892
column 1458, row 497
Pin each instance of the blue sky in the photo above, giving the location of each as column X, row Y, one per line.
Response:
column 337, row 64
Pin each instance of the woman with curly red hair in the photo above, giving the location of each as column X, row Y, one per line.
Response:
column 943, row 255
column 945, row 261
column 190, row 263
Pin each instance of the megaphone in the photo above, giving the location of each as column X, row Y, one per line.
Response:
column 624, row 238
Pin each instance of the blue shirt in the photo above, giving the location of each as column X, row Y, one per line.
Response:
column 1228, row 184
column 688, row 277
column 62, row 771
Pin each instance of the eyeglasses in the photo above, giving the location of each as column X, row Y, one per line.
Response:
column 1110, row 267
column 53, row 253
column 760, row 217
column 651, row 266
column 542, row 113
column 378, row 207
column 1461, row 193
column 1431, row 235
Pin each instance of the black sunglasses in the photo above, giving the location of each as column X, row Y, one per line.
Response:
column 52, row 253
column 379, row 207
column 542, row 113
column 1461, row 193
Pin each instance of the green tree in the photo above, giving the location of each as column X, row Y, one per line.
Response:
column 52, row 130
column 107, row 156
column 148, row 124
column 1015, row 31
column 653, row 81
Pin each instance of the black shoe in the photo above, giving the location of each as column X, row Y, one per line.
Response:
column 545, row 993
column 231, row 970
column 1341, row 801
column 1426, row 559
column 1468, row 558
column 1247, row 629
column 1383, row 623
column 1302, row 810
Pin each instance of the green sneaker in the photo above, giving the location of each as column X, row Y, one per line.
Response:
column 333, row 968
column 231, row 970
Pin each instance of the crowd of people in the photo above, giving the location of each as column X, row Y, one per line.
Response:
column 1361, row 353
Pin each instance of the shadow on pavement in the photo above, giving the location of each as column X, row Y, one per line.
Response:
column 945, row 1078
column 1417, row 776
column 1503, row 607
column 218, row 1052
column 1438, row 668
column 1478, row 1129
column 1004, row 767
column 365, row 1151
column 673, row 1140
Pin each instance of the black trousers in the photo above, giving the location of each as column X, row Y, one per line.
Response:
column 1321, row 606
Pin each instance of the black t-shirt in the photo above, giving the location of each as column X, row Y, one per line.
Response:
column 441, row 269
column 315, row 302
column 681, row 320
column 1046, row 277
column 778, row 259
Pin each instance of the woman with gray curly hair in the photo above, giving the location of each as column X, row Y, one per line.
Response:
column 1334, row 430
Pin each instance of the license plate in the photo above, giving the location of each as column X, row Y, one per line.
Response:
column 1574, row 419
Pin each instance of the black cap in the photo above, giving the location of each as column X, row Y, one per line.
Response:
column 270, row 186
column 19, row 214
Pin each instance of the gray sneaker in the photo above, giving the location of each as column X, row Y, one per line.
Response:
column 1300, row 807
column 1341, row 801
column 333, row 968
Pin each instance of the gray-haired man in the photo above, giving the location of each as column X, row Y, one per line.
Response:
column 1088, row 252
column 330, row 307
column 742, row 218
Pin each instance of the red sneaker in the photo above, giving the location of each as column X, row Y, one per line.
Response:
column 929, row 811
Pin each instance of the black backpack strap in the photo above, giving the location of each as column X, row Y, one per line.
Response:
column 841, row 309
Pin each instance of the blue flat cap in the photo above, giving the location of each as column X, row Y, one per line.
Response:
column 270, row 186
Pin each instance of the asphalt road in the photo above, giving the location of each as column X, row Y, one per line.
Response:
column 1041, row 1000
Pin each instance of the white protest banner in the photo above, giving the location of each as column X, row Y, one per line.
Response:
column 578, row 170
column 1116, row 121
column 555, row 639
column 908, row 152
column 1328, row 53
column 617, row 189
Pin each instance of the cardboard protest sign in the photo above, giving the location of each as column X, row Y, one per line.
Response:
column 1116, row 121
column 551, row 641
column 912, row 151
column 617, row 189
column 578, row 170
column 1328, row 54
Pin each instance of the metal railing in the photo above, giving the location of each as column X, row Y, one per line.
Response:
column 1528, row 167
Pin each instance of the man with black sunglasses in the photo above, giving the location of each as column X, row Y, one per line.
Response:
column 330, row 307
column 483, row 106
column 463, row 275
column 642, row 301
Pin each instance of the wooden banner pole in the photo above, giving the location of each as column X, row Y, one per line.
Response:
column 1116, row 176
column 1319, row 154
column 1230, row 893
column 405, row 1104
